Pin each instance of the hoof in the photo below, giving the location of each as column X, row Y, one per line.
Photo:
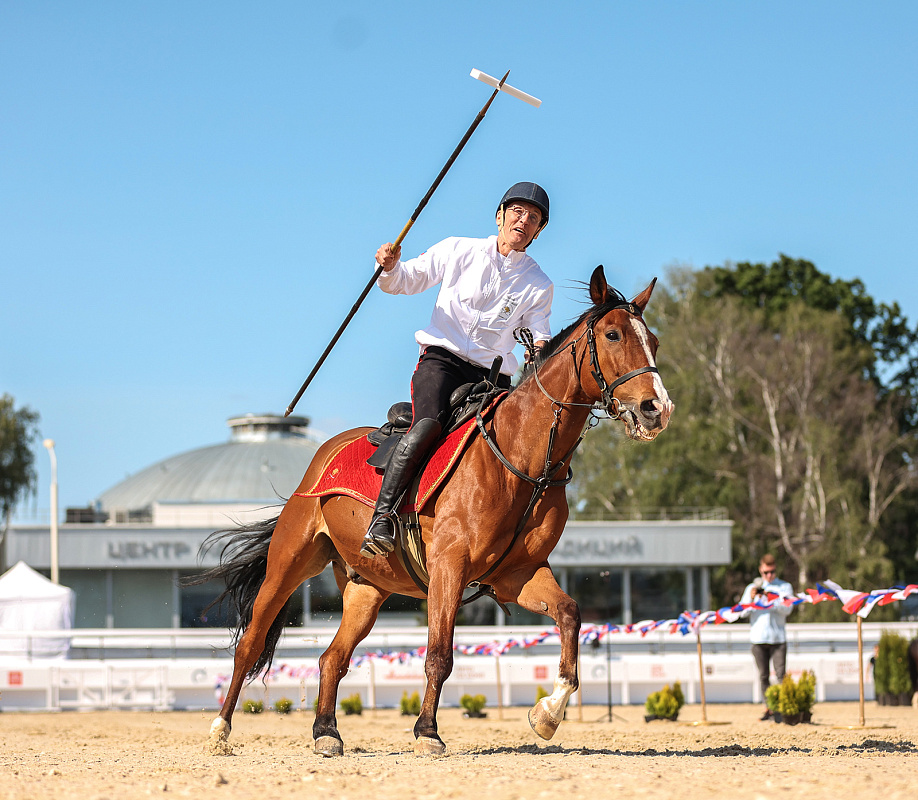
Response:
column 329, row 746
column 428, row 746
column 218, row 743
column 542, row 722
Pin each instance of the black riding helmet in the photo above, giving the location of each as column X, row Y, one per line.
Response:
column 531, row 193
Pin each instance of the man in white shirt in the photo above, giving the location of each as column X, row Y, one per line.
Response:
column 766, row 628
column 488, row 288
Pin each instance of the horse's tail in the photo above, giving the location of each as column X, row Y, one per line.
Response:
column 243, row 565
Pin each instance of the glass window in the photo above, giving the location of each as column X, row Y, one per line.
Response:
column 482, row 612
column 194, row 602
column 326, row 604
column 698, row 603
column 657, row 594
column 89, row 596
column 598, row 592
column 401, row 610
column 142, row 598
column 296, row 608
column 324, row 597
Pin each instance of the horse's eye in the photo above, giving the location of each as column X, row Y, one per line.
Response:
column 614, row 336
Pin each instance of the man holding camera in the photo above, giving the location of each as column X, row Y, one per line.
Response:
column 766, row 629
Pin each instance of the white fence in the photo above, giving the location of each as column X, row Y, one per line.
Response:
column 190, row 669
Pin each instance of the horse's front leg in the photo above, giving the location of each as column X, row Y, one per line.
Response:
column 542, row 595
column 443, row 599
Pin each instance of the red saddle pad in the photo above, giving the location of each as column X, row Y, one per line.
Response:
column 349, row 474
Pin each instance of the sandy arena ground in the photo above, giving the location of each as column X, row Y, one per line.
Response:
column 131, row 754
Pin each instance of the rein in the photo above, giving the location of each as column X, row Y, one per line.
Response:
column 609, row 402
column 540, row 484
column 547, row 479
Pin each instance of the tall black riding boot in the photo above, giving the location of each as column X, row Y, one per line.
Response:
column 408, row 454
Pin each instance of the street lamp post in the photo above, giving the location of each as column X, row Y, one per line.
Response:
column 55, row 573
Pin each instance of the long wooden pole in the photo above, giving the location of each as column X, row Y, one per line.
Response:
column 704, row 707
column 396, row 243
column 860, row 668
column 500, row 688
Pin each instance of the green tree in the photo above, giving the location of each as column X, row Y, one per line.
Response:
column 780, row 417
column 877, row 415
column 891, row 343
column 18, row 429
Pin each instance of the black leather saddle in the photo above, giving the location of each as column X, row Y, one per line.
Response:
column 463, row 403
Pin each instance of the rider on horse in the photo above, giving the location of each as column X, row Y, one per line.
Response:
column 488, row 288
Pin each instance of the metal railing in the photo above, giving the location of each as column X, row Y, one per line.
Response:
column 168, row 643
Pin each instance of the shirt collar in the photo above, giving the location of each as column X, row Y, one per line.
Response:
column 515, row 258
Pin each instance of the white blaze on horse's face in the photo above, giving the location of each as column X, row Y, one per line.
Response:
column 647, row 411
column 662, row 401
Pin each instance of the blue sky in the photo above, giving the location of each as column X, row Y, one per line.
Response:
column 191, row 194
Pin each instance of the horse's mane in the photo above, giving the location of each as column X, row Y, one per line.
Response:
column 591, row 315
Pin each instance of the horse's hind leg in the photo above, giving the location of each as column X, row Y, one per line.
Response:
column 361, row 603
column 292, row 558
column 542, row 595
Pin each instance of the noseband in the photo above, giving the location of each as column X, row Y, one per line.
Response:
column 609, row 403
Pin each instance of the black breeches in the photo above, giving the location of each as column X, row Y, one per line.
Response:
column 438, row 374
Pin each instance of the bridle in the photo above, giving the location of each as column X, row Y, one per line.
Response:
column 547, row 479
column 608, row 402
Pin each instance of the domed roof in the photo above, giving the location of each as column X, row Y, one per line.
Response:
column 264, row 460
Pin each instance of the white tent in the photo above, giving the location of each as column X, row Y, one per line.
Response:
column 30, row 602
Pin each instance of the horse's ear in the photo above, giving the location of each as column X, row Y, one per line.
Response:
column 644, row 297
column 599, row 289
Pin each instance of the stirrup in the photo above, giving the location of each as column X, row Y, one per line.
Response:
column 377, row 543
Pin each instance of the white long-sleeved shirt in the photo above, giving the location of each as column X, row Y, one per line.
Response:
column 767, row 626
column 483, row 298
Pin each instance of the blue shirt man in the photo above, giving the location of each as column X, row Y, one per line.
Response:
column 766, row 629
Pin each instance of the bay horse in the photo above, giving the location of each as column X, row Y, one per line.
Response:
column 485, row 520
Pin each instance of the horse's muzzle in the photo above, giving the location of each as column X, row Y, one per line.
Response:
column 657, row 412
column 645, row 420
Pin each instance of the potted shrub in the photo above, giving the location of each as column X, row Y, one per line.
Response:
column 787, row 702
column 410, row 706
column 791, row 701
column 806, row 695
column 283, row 706
column 772, row 700
column 473, row 705
column 253, row 707
column 664, row 704
column 352, row 704
column 892, row 683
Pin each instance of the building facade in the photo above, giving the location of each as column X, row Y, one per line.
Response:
column 126, row 555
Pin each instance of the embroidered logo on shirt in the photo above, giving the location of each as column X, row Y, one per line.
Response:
column 507, row 307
